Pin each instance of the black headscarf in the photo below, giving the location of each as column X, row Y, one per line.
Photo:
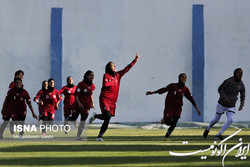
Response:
column 68, row 84
column 180, row 84
column 85, row 77
column 109, row 70
column 50, row 89
column 235, row 71
column 43, row 89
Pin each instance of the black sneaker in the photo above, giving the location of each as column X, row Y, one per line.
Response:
column 218, row 137
column 205, row 133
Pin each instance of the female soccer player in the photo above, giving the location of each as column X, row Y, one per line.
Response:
column 84, row 99
column 174, row 102
column 109, row 94
column 50, row 99
column 20, row 98
column 36, row 99
column 69, row 108
column 228, row 91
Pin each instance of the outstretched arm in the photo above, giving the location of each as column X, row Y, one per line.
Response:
column 160, row 91
column 151, row 92
column 128, row 67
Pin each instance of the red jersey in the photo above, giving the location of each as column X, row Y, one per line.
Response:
column 50, row 99
column 19, row 101
column 111, row 84
column 36, row 98
column 10, row 103
column 175, row 94
column 69, row 94
column 84, row 92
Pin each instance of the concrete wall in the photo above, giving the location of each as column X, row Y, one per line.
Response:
column 95, row 32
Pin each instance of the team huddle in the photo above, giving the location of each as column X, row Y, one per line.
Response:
column 78, row 100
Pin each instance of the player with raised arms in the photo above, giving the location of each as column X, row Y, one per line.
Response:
column 174, row 102
column 109, row 94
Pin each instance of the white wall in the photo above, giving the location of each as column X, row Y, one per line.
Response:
column 95, row 32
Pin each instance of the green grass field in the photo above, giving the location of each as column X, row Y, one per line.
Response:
column 121, row 147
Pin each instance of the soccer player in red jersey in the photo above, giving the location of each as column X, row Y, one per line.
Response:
column 40, row 103
column 50, row 99
column 109, row 94
column 84, row 99
column 70, row 113
column 20, row 98
column 18, row 74
column 174, row 102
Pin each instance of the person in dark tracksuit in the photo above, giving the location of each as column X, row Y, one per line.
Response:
column 228, row 91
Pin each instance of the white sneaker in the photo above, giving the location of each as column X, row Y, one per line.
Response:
column 92, row 118
column 99, row 139
column 20, row 137
column 78, row 138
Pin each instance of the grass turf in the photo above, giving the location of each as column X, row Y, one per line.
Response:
column 121, row 147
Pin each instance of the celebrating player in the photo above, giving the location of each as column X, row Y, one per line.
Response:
column 84, row 99
column 174, row 102
column 70, row 113
column 20, row 98
column 228, row 91
column 50, row 100
column 40, row 103
column 109, row 94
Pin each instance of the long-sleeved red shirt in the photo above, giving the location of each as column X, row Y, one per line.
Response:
column 84, row 93
column 175, row 95
column 111, row 84
column 18, row 100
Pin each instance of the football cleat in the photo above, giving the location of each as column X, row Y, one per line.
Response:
column 78, row 138
column 166, row 138
column 20, row 137
column 205, row 133
column 218, row 137
column 99, row 139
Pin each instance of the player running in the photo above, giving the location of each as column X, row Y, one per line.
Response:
column 20, row 98
column 40, row 103
column 109, row 94
column 84, row 99
column 50, row 100
column 18, row 74
column 69, row 107
column 174, row 102
column 228, row 91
